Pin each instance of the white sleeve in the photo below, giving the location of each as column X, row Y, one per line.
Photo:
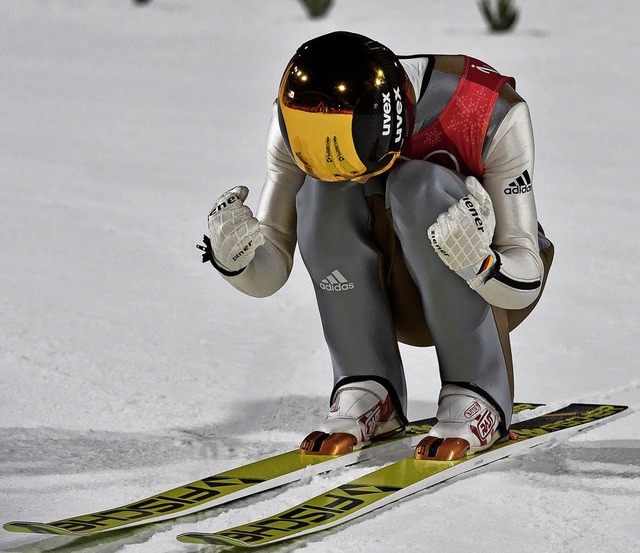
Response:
column 270, row 268
column 508, row 178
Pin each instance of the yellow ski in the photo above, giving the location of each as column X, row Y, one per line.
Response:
column 399, row 480
column 222, row 488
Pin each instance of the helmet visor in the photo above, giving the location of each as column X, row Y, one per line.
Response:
column 322, row 144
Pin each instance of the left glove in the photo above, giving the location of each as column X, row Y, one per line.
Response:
column 235, row 232
column 462, row 236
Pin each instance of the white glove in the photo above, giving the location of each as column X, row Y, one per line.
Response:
column 462, row 235
column 235, row 232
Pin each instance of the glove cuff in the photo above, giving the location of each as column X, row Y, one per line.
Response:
column 488, row 270
column 208, row 256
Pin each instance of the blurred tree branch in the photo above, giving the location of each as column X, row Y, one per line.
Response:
column 317, row 8
column 501, row 18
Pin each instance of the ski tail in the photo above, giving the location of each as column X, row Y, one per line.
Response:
column 228, row 486
column 221, row 488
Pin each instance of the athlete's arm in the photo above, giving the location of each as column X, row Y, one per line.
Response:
column 270, row 268
column 508, row 179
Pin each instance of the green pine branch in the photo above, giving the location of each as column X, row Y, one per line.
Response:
column 317, row 8
column 500, row 18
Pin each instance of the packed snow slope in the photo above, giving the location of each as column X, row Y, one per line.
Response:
column 128, row 367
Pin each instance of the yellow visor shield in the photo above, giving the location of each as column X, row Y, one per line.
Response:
column 323, row 145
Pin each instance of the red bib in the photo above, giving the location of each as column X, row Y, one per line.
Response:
column 456, row 137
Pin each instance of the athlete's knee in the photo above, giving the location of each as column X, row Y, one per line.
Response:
column 332, row 219
column 423, row 186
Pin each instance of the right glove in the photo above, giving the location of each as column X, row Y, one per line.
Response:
column 235, row 232
column 462, row 236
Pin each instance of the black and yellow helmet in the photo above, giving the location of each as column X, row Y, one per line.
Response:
column 344, row 107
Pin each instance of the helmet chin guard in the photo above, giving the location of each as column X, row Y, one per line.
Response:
column 343, row 107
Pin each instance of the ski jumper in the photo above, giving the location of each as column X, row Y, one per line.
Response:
column 376, row 277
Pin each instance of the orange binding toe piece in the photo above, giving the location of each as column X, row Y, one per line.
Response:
column 441, row 449
column 321, row 443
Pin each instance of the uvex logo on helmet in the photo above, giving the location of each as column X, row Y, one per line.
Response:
column 388, row 114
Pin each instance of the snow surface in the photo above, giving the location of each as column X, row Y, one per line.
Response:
column 127, row 367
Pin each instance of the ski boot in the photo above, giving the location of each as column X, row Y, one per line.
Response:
column 467, row 423
column 361, row 412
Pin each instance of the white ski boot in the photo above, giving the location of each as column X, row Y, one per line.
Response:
column 361, row 412
column 467, row 423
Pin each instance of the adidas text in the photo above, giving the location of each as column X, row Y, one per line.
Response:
column 336, row 282
column 521, row 185
column 337, row 287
